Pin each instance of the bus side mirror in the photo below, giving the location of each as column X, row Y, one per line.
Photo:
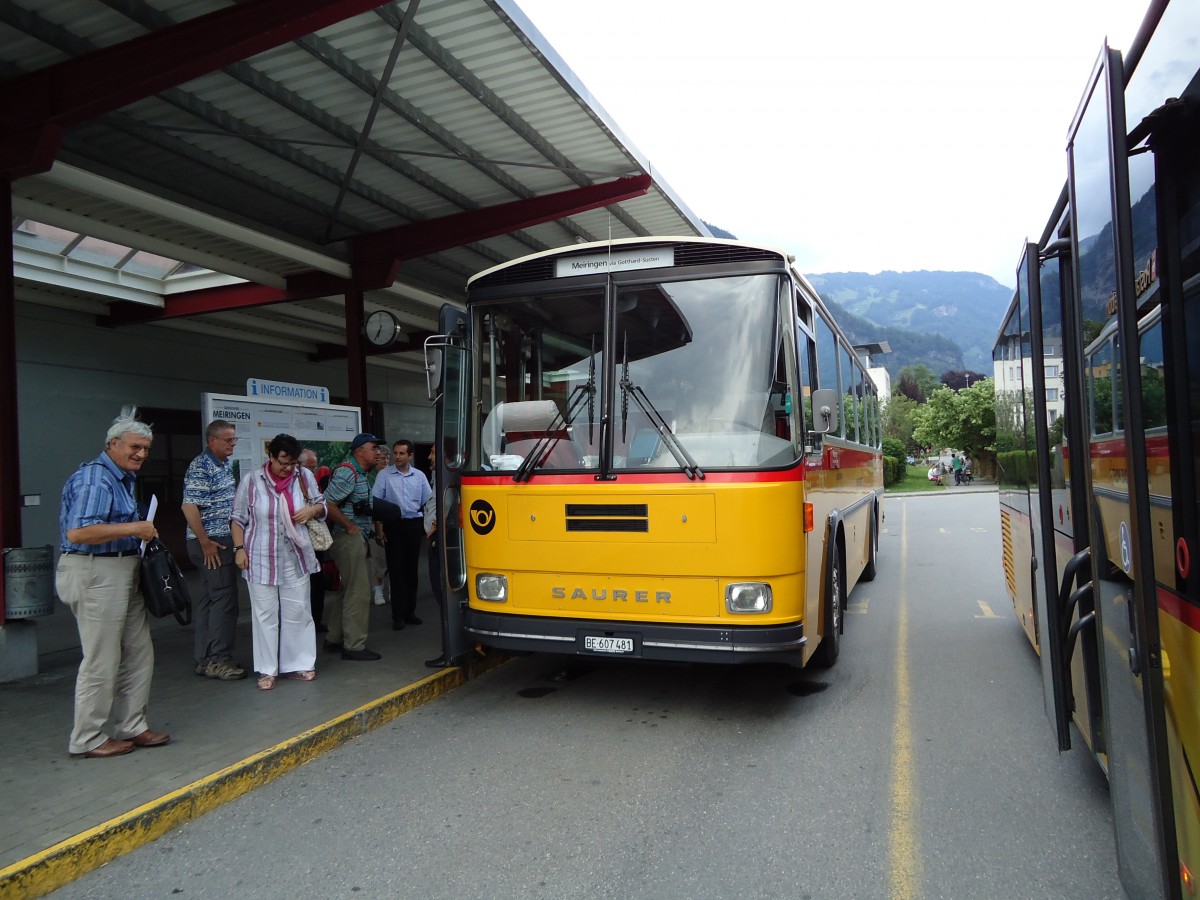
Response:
column 825, row 410
column 433, row 366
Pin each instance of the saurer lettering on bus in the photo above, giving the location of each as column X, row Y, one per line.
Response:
column 560, row 593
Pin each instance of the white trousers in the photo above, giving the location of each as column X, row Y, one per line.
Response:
column 285, row 638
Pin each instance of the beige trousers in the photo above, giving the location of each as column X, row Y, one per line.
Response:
column 349, row 610
column 113, row 686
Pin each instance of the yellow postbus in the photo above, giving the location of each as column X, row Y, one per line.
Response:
column 653, row 448
column 1098, row 418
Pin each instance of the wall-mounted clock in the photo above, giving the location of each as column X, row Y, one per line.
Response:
column 382, row 328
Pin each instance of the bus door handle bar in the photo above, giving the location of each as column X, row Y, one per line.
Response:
column 1085, row 621
column 1078, row 569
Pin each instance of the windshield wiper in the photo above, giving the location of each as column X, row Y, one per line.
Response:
column 629, row 389
column 584, row 393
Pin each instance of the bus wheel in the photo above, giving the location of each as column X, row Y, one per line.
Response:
column 827, row 653
column 868, row 573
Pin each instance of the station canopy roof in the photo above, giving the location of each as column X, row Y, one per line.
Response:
column 278, row 177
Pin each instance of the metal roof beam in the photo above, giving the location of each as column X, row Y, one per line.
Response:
column 376, row 258
column 478, row 88
column 36, row 109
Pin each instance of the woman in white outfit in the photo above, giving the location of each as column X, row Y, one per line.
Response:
column 273, row 550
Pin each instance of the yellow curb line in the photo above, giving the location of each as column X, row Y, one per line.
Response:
column 41, row 873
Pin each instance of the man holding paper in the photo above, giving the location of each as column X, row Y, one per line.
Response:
column 97, row 578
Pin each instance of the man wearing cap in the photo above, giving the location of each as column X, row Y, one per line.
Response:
column 348, row 497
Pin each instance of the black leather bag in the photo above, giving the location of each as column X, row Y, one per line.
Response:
column 163, row 587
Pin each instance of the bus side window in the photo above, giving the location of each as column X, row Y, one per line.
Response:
column 850, row 416
column 827, row 353
column 804, row 363
column 1100, row 388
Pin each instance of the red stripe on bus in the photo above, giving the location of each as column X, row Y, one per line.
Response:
column 1156, row 446
column 1178, row 608
column 543, row 477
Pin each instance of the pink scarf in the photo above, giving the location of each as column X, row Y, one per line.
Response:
column 283, row 485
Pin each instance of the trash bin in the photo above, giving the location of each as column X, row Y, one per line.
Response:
column 28, row 582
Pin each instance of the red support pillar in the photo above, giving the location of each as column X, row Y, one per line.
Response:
column 10, row 461
column 356, row 360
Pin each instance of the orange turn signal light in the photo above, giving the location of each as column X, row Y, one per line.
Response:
column 808, row 518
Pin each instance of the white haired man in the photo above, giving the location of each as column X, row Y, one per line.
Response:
column 98, row 579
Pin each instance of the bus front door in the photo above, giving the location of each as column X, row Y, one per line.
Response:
column 448, row 364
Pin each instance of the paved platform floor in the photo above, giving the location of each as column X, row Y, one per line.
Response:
column 47, row 796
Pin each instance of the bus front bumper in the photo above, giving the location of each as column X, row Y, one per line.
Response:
column 640, row 640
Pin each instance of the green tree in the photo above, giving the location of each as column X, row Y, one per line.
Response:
column 898, row 422
column 964, row 420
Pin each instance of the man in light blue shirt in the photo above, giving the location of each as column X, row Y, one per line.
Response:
column 401, row 534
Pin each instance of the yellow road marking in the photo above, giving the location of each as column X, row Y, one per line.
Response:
column 859, row 606
column 987, row 611
column 904, row 840
column 67, row 860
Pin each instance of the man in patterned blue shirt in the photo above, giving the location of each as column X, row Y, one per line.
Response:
column 98, row 579
column 208, row 489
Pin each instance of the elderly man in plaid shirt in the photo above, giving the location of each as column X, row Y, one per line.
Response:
column 208, row 489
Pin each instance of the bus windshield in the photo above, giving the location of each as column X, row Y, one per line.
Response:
column 694, row 378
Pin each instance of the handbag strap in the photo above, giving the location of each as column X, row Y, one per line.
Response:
column 304, row 489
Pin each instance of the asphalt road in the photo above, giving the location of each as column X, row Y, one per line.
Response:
column 921, row 765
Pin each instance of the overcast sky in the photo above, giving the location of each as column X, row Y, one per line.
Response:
column 860, row 135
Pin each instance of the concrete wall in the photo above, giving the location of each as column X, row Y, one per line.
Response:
column 74, row 376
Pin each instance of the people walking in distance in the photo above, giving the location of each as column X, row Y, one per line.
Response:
column 273, row 549
column 316, row 582
column 956, row 464
column 100, row 531
column 402, row 536
column 348, row 500
column 208, row 489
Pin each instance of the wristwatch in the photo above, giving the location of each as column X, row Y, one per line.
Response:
column 239, row 547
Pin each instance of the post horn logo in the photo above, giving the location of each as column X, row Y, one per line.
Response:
column 483, row 517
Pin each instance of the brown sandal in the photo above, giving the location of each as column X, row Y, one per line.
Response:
column 266, row 682
column 310, row 675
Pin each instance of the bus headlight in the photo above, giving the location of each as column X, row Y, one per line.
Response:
column 748, row 597
column 491, row 587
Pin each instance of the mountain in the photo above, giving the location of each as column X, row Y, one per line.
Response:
column 907, row 309
column 908, row 348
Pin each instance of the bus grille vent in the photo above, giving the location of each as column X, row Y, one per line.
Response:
column 613, row 517
column 1006, row 540
column 541, row 269
column 711, row 254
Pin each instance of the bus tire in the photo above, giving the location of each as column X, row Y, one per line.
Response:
column 831, row 640
column 869, row 571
